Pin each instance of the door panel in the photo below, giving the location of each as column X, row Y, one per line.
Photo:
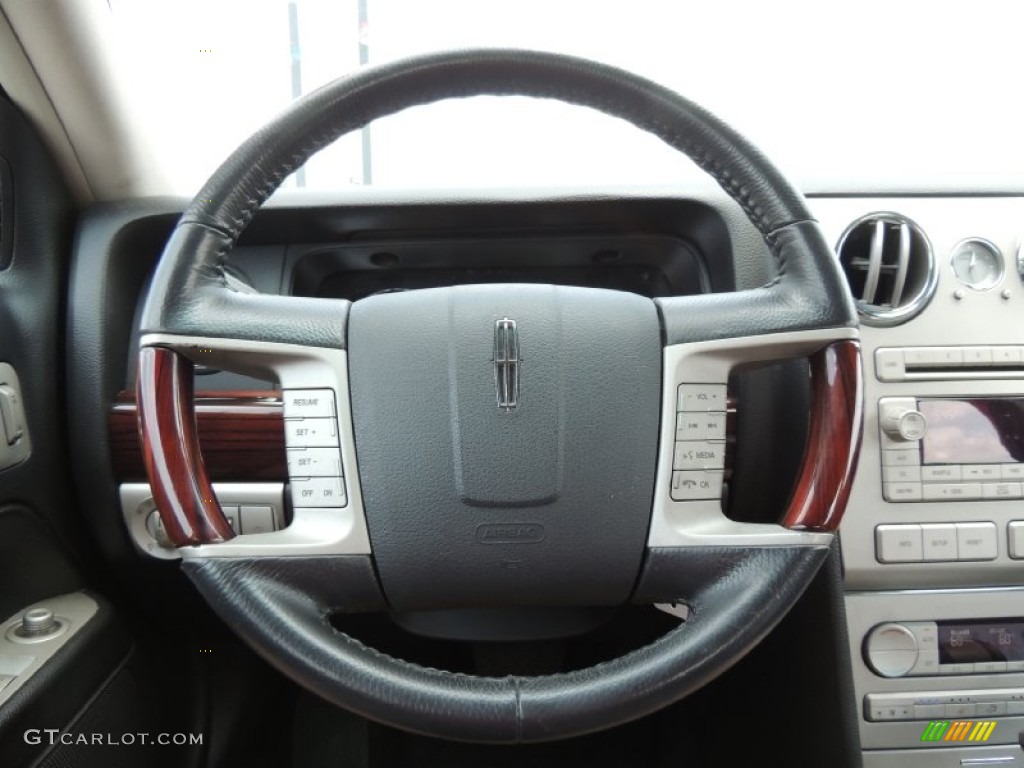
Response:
column 82, row 672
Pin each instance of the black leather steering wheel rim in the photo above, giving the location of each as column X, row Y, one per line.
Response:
column 737, row 594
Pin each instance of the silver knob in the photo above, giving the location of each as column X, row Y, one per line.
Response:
column 37, row 622
column 904, row 424
column 891, row 650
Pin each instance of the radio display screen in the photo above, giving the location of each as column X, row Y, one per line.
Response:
column 984, row 430
column 971, row 642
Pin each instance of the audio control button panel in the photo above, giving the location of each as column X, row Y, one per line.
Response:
column 951, row 449
column 698, row 459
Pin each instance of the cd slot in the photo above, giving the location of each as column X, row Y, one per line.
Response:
column 949, row 363
column 936, row 371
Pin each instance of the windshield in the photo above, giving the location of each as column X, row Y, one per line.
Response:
column 865, row 94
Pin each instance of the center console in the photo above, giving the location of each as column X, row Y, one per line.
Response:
column 933, row 538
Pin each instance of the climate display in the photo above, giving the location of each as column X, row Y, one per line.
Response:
column 966, row 643
column 985, row 430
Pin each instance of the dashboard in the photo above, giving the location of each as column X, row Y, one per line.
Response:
column 932, row 543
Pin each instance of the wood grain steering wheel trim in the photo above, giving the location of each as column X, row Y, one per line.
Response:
column 184, row 495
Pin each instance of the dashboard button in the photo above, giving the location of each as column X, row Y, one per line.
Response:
column 691, row 486
column 991, row 709
column 1015, row 536
column 1012, row 471
column 948, row 473
column 699, row 454
column 901, row 457
column 977, row 541
column 899, row 543
column 901, row 474
column 256, row 519
column 927, row 663
column 1006, row 356
column 933, row 356
column 308, row 403
column 952, row 491
column 982, row 472
column 700, row 426
column 929, row 711
column 1014, row 708
column 310, row 433
column 314, row 462
column 978, row 356
column 901, row 491
column 318, row 492
column 939, row 541
column 889, row 365
column 926, row 632
column 961, row 710
column 956, row 669
column 1002, row 490
column 986, row 667
column 701, row 397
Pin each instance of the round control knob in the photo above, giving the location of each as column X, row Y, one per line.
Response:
column 37, row 622
column 903, row 423
column 891, row 650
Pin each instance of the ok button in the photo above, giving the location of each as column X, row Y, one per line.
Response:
column 699, row 454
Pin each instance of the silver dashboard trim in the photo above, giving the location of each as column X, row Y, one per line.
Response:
column 702, row 523
column 137, row 504
column 339, row 531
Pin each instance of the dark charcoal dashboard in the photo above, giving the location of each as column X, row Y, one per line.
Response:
column 922, row 546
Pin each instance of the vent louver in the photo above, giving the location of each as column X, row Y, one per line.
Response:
column 889, row 266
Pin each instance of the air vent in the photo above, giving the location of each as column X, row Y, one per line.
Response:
column 890, row 267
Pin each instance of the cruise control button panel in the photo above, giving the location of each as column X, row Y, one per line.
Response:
column 315, row 467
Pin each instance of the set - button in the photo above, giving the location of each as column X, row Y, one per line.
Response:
column 698, row 458
column 933, row 542
column 315, row 468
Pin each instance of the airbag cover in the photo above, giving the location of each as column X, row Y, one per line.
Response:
column 471, row 504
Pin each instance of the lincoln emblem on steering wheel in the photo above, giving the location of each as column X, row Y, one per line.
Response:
column 506, row 363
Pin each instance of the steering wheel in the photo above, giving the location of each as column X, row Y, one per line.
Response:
column 493, row 446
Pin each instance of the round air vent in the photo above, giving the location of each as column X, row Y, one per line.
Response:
column 889, row 266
